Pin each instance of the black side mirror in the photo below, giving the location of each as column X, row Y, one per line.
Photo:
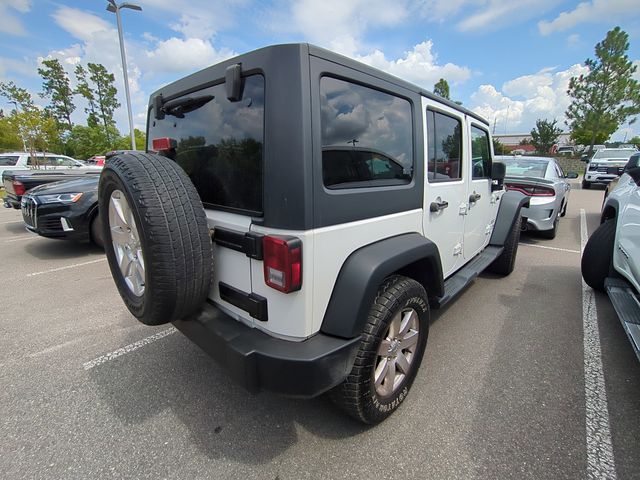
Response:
column 498, row 172
column 571, row 175
column 584, row 157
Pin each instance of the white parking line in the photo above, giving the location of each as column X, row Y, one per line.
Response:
column 13, row 221
column 21, row 238
column 128, row 349
column 551, row 248
column 66, row 267
column 600, row 460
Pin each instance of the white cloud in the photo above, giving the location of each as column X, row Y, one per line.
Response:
column 525, row 99
column 498, row 13
column 604, row 11
column 418, row 66
column 184, row 55
column 9, row 22
column 82, row 25
column 573, row 40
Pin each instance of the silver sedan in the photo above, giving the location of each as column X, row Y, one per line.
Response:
column 542, row 179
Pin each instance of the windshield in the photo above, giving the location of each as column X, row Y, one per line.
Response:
column 522, row 167
column 614, row 154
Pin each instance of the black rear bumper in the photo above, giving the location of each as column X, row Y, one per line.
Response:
column 260, row 362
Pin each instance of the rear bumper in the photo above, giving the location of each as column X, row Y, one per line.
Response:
column 541, row 216
column 258, row 361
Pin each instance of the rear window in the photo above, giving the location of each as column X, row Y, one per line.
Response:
column 526, row 167
column 8, row 160
column 220, row 145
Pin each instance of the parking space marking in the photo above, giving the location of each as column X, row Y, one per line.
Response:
column 23, row 237
column 128, row 348
column 550, row 248
column 12, row 221
column 600, row 459
column 66, row 267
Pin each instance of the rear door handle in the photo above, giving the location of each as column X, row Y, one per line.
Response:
column 437, row 206
column 474, row 197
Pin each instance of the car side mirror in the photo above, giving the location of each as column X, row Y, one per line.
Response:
column 498, row 172
column 584, row 157
column 635, row 174
column 571, row 175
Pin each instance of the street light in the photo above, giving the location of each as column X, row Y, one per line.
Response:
column 113, row 7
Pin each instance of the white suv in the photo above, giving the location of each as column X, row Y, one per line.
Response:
column 605, row 165
column 297, row 216
column 611, row 259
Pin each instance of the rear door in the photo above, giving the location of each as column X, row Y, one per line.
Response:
column 482, row 203
column 219, row 144
column 445, row 190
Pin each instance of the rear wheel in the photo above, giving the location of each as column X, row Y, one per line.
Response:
column 156, row 237
column 390, row 352
column 586, row 185
column 505, row 263
column 598, row 255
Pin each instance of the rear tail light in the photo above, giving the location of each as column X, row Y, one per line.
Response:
column 18, row 187
column 163, row 143
column 532, row 190
column 282, row 263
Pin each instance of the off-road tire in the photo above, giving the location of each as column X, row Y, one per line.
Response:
column 95, row 229
column 357, row 395
column 173, row 232
column 505, row 263
column 598, row 255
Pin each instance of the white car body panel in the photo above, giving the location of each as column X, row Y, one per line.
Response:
column 626, row 252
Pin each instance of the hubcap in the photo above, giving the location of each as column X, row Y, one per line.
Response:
column 396, row 352
column 126, row 243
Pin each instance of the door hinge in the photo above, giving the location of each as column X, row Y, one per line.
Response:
column 463, row 209
column 457, row 250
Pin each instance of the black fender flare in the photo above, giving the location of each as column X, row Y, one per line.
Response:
column 610, row 205
column 511, row 203
column 363, row 272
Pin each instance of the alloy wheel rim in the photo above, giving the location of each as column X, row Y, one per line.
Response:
column 126, row 243
column 396, row 352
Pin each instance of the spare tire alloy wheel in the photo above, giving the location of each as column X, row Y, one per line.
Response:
column 126, row 243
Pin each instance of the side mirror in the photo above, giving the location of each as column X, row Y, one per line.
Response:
column 571, row 175
column 584, row 157
column 498, row 172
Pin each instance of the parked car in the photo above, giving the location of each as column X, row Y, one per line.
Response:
column 611, row 258
column 605, row 165
column 321, row 279
column 543, row 180
column 96, row 160
column 67, row 209
column 17, row 183
column 43, row 161
column 634, row 162
column 565, row 150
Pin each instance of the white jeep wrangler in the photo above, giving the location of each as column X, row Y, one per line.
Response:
column 611, row 258
column 298, row 214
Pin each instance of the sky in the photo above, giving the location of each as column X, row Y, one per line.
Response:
column 510, row 61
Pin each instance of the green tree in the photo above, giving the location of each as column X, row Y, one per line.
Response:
column 607, row 95
column 545, row 135
column 84, row 89
column 9, row 135
column 441, row 88
column 105, row 95
column 635, row 140
column 36, row 127
column 124, row 142
column 56, row 88
column 498, row 147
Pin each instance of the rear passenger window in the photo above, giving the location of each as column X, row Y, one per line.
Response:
column 8, row 161
column 367, row 136
column 444, row 147
column 480, row 153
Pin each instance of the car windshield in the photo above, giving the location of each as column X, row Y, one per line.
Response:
column 614, row 154
column 526, row 167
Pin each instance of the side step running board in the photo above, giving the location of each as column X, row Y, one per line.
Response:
column 463, row 277
column 627, row 306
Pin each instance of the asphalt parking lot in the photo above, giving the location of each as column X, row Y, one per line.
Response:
column 88, row 392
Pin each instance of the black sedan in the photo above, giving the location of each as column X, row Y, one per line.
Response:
column 66, row 209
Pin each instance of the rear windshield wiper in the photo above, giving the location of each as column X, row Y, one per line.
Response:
column 180, row 106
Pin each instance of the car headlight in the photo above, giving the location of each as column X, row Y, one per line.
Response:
column 593, row 166
column 60, row 198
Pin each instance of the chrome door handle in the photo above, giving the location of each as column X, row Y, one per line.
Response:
column 474, row 197
column 437, row 206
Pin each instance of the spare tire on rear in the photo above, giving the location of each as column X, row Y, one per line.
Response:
column 155, row 236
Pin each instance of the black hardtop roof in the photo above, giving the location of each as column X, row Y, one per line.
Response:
column 330, row 56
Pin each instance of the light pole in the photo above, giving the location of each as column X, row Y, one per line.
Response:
column 113, row 7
